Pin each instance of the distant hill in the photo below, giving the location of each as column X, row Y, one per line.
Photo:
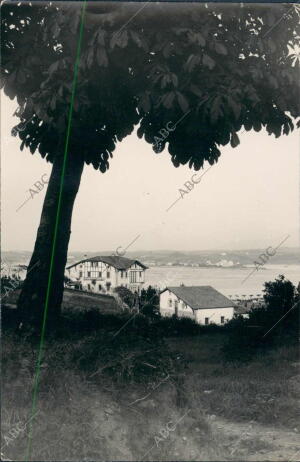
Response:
column 283, row 256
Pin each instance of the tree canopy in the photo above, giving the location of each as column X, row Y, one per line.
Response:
column 210, row 69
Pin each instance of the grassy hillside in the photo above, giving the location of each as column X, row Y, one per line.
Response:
column 138, row 395
column 76, row 301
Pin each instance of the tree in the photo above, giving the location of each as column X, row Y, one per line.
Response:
column 149, row 296
column 190, row 76
column 126, row 296
column 275, row 322
column 149, row 302
column 280, row 303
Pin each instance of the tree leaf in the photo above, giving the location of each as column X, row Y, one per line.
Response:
column 182, row 101
column 101, row 37
column 194, row 89
column 273, row 81
column 220, row 48
column 174, row 79
column 120, row 39
column 236, row 107
column 216, row 110
column 234, row 141
column 90, row 57
column 136, row 38
column 208, row 61
column 168, row 99
column 191, row 62
column 200, row 39
column 145, row 102
column 102, row 57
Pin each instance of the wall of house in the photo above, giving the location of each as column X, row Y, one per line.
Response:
column 214, row 315
column 167, row 306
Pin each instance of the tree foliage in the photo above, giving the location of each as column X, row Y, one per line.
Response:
column 126, row 295
column 280, row 296
column 210, row 69
column 273, row 324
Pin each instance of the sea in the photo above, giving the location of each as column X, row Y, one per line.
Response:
column 235, row 282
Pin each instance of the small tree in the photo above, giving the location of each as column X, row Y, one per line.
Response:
column 149, row 296
column 126, row 296
column 277, row 320
column 151, row 310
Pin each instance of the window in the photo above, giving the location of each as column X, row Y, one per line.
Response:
column 100, row 287
column 132, row 276
column 170, row 302
column 222, row 319
column 126, row 274
column 80, row 274
column 141, row 274
column 100, row 274
column 89, row 287
column 206, row 321
column 122, row 273
column 89, row 274
column 107, row 274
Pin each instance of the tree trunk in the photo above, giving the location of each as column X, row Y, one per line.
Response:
column 48, row 254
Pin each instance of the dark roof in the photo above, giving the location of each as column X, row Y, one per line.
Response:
column 120, row 263
column 201, row 297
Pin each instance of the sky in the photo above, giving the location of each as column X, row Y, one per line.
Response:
column 249, row 199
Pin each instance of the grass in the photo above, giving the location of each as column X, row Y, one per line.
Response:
column 82, row 301
column 262, row 390
column 107, row 397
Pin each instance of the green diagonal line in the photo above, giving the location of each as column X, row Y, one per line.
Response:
column 40, row 354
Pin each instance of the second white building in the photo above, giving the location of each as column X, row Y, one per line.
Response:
column 204, row 304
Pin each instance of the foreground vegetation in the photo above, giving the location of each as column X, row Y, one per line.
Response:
column 107, row 394
column 118, row 385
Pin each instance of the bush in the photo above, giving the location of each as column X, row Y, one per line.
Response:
column 243, row 340
column 151, row 310
column 177, row 326
column 149, row 296
column 9, row 284
column 274, row 324
column 126, row 296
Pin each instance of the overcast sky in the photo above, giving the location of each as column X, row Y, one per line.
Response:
column 249, row 199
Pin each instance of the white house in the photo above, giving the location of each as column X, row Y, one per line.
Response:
column 103, row 274
column 204, row 304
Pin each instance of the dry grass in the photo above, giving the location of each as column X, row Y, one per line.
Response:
column 264, row 390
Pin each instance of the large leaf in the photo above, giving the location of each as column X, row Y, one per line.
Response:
column 208, row 61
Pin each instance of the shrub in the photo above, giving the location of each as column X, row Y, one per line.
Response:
column 275, row 323
column 177, row 326
column 126, row 296
column 151, row 310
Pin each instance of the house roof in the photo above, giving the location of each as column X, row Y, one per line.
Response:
column 120, row 263
column 201, row 297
